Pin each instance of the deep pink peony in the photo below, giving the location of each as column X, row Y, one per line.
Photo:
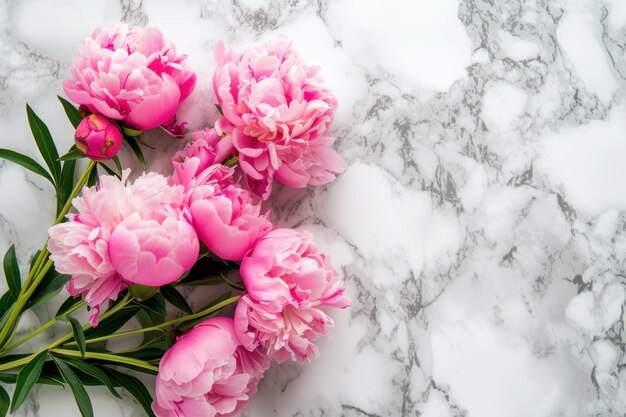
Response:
column 81, row 246
column 227, row 220
column 130, row 74
column 207, row 373
column 289, row 286
column 278, row 111
column 98, row 138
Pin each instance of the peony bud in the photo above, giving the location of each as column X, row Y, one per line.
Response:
column 98, row 138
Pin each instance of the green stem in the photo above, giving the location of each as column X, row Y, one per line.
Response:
column 6, row 333
column 25, row 360
column 194, row 316
column 41, row 329
column 107, row 357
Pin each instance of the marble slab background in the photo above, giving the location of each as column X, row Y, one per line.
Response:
column 480, row 225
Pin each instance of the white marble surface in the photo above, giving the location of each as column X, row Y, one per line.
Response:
column 481, row 223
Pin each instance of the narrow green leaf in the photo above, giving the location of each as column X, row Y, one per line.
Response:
column 80, row 395
column 66, row 184
column 109, row 170
column 114, row 322
column 118, row 164
column 134, row 146
column 4, row 402
column 72, row 112
column 26, row 162
column 155, row 305
column 72, row 155
column 12, row 272
column 79, row 336
column 219, row 109
column 33, row 259
column 93, row 177
column 12, row 379
column 44, row 142
column 93, row 371
column 134, row 388
column 143, row 143
column 26, row 379
column 175, row 298
column 67, row 304
column 6, row 301
column 51, row 285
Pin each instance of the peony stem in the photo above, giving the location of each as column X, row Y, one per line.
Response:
column 34, row 333
column 194, row 316
column 40, row 268
column 107, row 357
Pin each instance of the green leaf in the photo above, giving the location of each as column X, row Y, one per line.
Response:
column 33, row 259
column 79, row 335
column 134, row 388
column 109, row 170
column 134, row 146
column 6, row 301
column 72, row 112
column 67, row 304
column 118, row 164
column 93, row 177
column 93, row 371
column 12, row 272
column 51, row 285
column 131, row 132
column 155, row 306
column 66, row 184
column 80, row 395
column 12, row 379
column 191, row 323
column 219, row 109
column 175, row 298
column 114, row 322
column 72, row 155
column 4, row 402
column 26, row 379
column 45, row 143
column 26, row 162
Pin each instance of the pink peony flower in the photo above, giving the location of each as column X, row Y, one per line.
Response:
column 98, row 138
column 278, row 111
column 207, row 373
column 289, row 286
column 82, row 248
column 131, row 75
column 153, row 253
column 228, row 222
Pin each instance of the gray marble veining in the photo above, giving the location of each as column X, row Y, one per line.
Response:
column 480, row 225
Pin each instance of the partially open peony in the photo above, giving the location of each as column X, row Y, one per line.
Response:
column 129, row 74
column 277, row 110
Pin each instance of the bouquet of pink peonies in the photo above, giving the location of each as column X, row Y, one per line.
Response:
column 124, row 244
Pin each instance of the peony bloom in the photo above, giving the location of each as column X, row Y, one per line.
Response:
column 151, row 252
column 131, row 75
column 228, row 222
column 82, row 248
column 98, row 138
column 289, row 286
column 207, row 373
column 278, row 110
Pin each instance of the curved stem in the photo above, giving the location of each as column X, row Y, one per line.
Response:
column 41, row 329
column 199, row 314
column 107, row 357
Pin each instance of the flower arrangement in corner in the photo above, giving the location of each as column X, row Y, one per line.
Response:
column 123, row 247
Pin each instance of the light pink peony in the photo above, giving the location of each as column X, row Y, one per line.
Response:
column 278, row 111
column 207, row 373
column 227, row 220
column 81, row 246
column 131, row 75
column 151, row 252
column 289, row 286
column 98, row 138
